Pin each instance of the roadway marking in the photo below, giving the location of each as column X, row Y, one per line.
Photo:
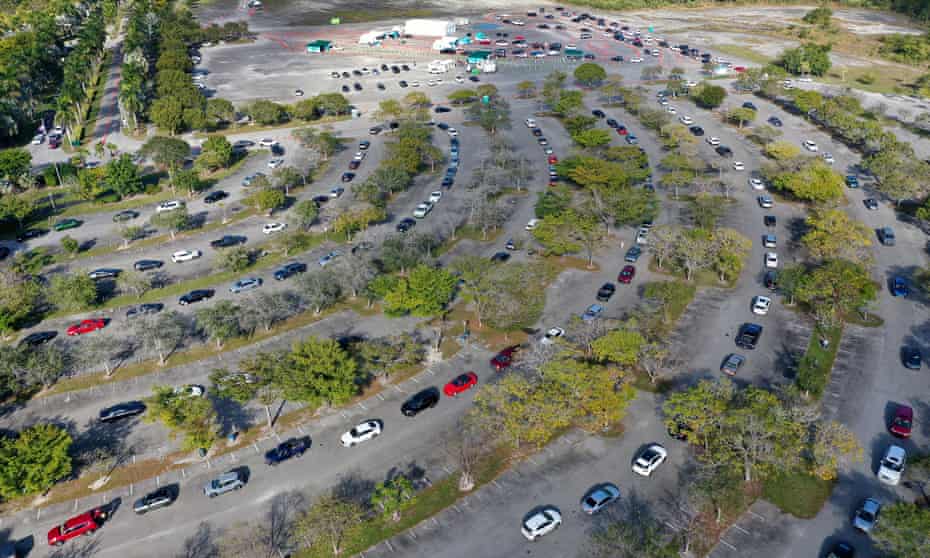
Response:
column 412, row 534
column 415, row 379
column 380, row 396
column 344, row 415
column 254, row 445
column 430, row 372
column 531, row 460
column 389, row 545
column 301, row 430
column 728, row 544
column 757, row 516
column 740, row 529
column 362, row 406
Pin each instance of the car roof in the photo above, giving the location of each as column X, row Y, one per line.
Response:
column 538, row 519
column 904, row 411
column 228, row 476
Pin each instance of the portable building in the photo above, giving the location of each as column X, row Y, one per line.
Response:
column 429, row 27
column 319, row 45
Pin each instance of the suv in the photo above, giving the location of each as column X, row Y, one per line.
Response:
column 228, row 481
column 886, row 236
column 289, row 269
column 145, row 265
column 292, row 447
column 633, row 254
column 122, row 410
column 227, row 240
column 420, row 401
column 748, row 336
column 84, row 524
column 606, row 291
column 892, row 465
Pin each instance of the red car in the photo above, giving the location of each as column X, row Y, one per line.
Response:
column 84, row 524
column 902, row 421
column 87, row 326
column 553, row 159
column 504, row 358
column 462, row 382
column 621, row 130
column 626, row 274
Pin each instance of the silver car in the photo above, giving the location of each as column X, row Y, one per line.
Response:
column 599, row 497
column 867, row 515
column 228, row 481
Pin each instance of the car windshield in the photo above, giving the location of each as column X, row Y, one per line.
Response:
column 866, row 515
column 903, row 422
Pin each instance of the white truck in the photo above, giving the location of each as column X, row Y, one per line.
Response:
column 440, row 66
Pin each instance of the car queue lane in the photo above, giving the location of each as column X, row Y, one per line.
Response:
column 409, row 444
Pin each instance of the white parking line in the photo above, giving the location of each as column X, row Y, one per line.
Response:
column 757, row 516
column 728, row 544
column 362, row 406
column 740, row 529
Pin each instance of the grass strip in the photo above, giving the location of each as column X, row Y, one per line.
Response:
column 798, row 493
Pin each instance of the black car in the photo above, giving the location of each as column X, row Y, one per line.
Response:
column 598, row 113
column 473, row 78
column 775, row 121
column 420, row 401
column 292, row 447
column 380, row 86
column 395, row 69
column 769, row 220
column 750, row 106
column 363, row 145
column 771, row 279
column 215, row 196
column 345, row 75
column 442, row 109
column 289, row 269
column 122, row 410
column 406, row 224
column 354, row 164
column 320, row 200
column 345, row 89
column 30, row 234
column 125, row 216
column 277, row 149
column 911, row 358
column 357, row 86
column 697, row 130
column 617, row 58
column 38, row 338
column 405, row 67
column 724, row 151
column 589, row 56
column 500, row 257
column 227, row 240
column 195, row 296
column 537, row 132
column 375, row 130
column 612, row 123
column 144, row 309
column 104, row 273
column 402, row 83
column 748, row 336
column 145, row 265
column 633, row 254
column 447, row 182
column 606, row 291
column 348, row 176
column 4, row 252
column 442, row 126
column 357, row 73
column 161, row 498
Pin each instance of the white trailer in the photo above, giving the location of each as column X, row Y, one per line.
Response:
column 429, row 27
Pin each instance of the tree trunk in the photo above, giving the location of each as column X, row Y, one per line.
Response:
column 268, row 416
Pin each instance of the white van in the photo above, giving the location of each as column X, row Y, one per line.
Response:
column 169, row 205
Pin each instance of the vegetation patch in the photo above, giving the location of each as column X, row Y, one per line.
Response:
column 798, row 493
column 817, row 363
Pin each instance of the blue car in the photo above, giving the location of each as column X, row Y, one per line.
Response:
column 592, row 312
column 852, row 181
column 293, row 447
column 632, row 140
column 898, row 286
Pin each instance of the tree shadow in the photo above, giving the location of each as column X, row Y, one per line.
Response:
column 353, row 488
column 100, row 442
column 233, row 416
column 86, row 548
column 202, row 544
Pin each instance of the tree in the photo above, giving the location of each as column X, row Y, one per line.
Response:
column 569, row 102
column 220, row 111
column 650, row 73
column 329, row 524
column 351, row 222
column 708, row 96
column 592, row 138
column 168, row 114
column 782, row 150
column 215, row 153
column 236, row 259
column 491, row 116
column 175, row 221
column 161, row 334
column 102, row 350
column 392, row 496
column 305, row 213
column 808, row 58
column 819, row 16
column 168, row 153
column 319, row 372
column 832, row 233
column 134, row 282
column 389, row 109
column 180, row 412
column 34, row 460
column 590, row 74
column 815, row 182
column 834, row 289
column 220, row 322
column 14, row 162
column 631, row 533
column 266, row 112
column 122, row 176
column 741, row 115
column 904, row 530
column 19, row 299
column 72, row 292
column 620, row 346
column 320, row 289
column 425, row 292
column 269, row 199
column 70, row 245
column 834, row 445
column 526, row 89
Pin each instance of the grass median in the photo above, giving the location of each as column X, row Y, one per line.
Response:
column 798, row 493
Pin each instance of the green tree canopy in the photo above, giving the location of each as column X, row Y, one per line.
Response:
column 34, row 460
column 590, row 74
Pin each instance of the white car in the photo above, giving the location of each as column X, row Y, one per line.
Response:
column 459, row 79
column 361, row 433
column 892, row 465
column 771, row 259
column 769, row 241
column 271, row 228
column 359, row 155
column 414, row 83
column 690, row 84
column 532, row 224
column 541, row 522
column 267, row 142
column 756, row 184
column 434, row 197
column 649, row 460
column 190, row 390
column 642, row 235
column 275, row 163
column 502, row 42
column 185, row 255
column 548, row 150
column 828, row 158
column 636, row 60
column 738, row 166
column 760, row 305
column 431, row 83
column 422, row 210
column 169, row 205
column 600, row 496
column 663, row 101
column 37, row 139
column 766, row 202
column 551, row 335
column 530, row 123
column 810, row 145
column 686, row 120
column 713, row 140
column 452, row 132
column 669, row 109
